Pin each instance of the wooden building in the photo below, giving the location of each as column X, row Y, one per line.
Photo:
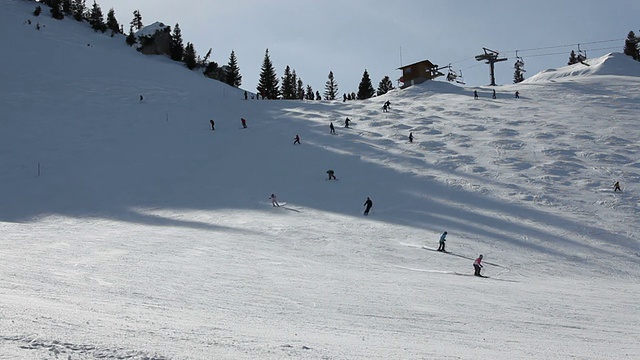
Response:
column 419, row 72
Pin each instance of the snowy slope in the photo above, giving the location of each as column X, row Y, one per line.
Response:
column 131, row 230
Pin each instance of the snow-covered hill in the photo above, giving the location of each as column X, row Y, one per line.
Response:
column 129, row 229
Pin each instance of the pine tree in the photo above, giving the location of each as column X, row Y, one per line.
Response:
column 112, row 23
column 137, row 20
column 287, row 88
column 177, row 47
column 79, row 8
column 384, row 86
column 131, row 38
column 300, row 89
column 67, row 7
column 309, row 94
column 365, row 89
column 573, row 59
column 97, row 18
column 190, row 56
column 631, row 46
column 330, row 88
column 233, row 77
column 56, row 9
column 268, row 82
column 518, row 74
column 37, row 11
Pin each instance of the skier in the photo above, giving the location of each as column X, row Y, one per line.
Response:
column 385, row 108
column 245, row 95
column 475, row 94
column 333, row 130
column 410, row 137
column 616, row 186
column 244, row 122
column 141, row 98
column 274, row 201
column 442, row 240
column 494, row 94
column 367, row 204
column 346, row 122
column 296, row 140
column 477, row 265
column 331, row 176
column 213, row 127
column 517, row 94
column 388, row 104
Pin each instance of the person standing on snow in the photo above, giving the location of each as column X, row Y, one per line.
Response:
column 213, row 124
column 475, row 94
column 367, row 204
column 477, row 265
column 274, row 201
column 331, row 128
column 442, row 240
column 346, row 122
column 410, row 137
column 616, row 186
column 296, row 140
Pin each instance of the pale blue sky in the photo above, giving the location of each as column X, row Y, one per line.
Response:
column 347, row 37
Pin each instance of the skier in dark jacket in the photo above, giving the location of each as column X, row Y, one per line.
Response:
column 213, row 126
column 296, row 140
column 475, row 94
column 410, row 137
column 346, row 122
column 616, row 186
column 367, row 204
column 331, row 175
column 331, row 128
column 442, row 240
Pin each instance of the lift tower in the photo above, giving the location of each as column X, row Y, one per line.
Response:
column 491, row 57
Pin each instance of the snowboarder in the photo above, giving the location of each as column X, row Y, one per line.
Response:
column 367, row 204
column 616, row 186
column 346, row 122
column 331, row 128
column 475, row 94
column 331, row 176
column 442, row 240
column 296, row 140
column 244, row 122
column 494, row 94
column 517, row 94
column 213, row 124
column 477, row 265
column 410, row 137
column 274, row 201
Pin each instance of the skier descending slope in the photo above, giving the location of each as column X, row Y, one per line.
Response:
column 477, row 265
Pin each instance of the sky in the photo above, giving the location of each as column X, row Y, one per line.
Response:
column 347, row 37
column 130, row 229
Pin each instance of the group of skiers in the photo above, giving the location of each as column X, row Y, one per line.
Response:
column 477, row 264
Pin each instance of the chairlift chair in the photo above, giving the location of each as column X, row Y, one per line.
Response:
column 460, row 79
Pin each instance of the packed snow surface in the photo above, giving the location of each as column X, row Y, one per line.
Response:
column 131, row 230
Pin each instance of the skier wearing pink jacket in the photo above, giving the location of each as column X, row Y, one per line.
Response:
column 477, row 265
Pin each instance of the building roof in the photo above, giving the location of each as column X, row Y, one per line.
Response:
column 426, row 62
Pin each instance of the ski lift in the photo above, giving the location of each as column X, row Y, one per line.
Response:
column 453, row 76
column 582, row 55
column 460, row 79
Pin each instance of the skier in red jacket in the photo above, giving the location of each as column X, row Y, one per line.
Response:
column 477, row 265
